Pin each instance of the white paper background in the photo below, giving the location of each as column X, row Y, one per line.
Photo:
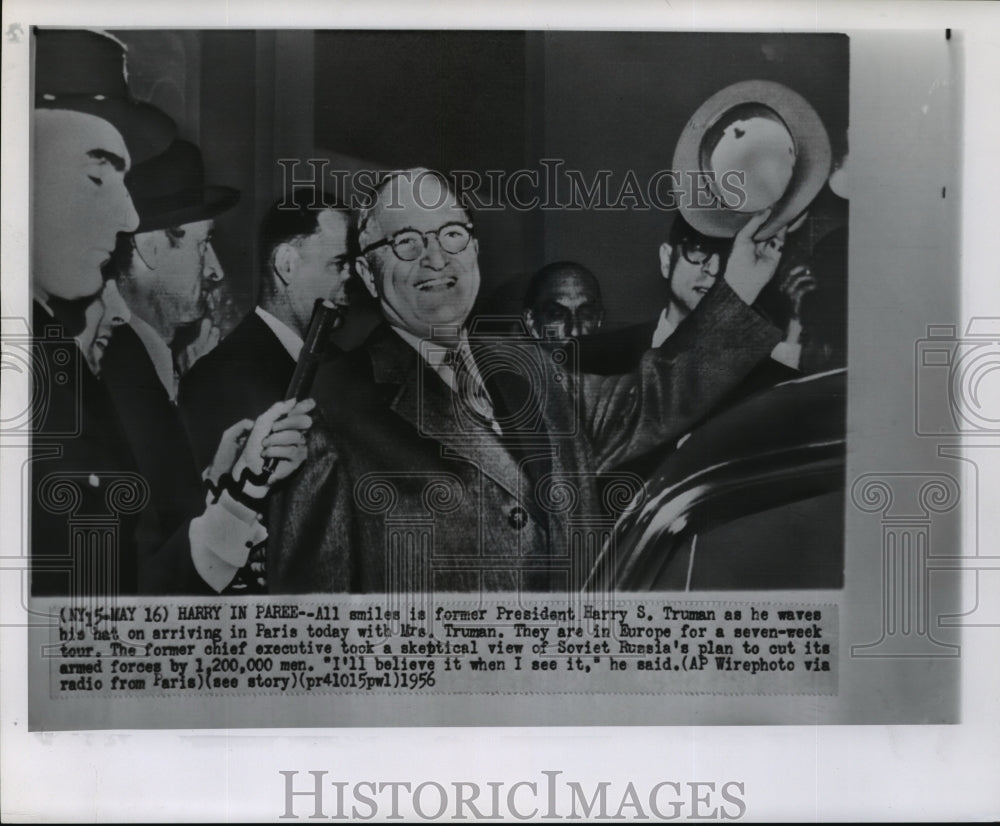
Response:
column 828, row 772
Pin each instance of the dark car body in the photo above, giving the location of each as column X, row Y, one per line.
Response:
column 751, row 499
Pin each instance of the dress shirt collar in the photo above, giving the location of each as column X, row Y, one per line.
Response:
column 664, row 329
column 159, row 354
column 290, row 340
column 436, row 357
column 41, row 302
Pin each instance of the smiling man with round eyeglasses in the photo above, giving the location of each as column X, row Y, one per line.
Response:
column 438, row 451
column 409, row 244
column 419, row 259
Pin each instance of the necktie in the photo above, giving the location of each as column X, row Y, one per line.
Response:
column 469, row 388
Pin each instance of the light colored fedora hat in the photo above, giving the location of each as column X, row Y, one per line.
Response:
column 752, row 145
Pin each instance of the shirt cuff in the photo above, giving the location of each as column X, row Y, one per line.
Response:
column 221, row 539
column 788, row 354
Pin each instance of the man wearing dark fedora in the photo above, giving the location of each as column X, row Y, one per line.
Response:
column 168, row 269
column 165, row 271
column 87, row 131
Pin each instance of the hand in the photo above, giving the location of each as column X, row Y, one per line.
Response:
column 278, row 433
column 207, row 339
column 753, row 263
column 230, row 446
column 257, row 563
column 797, row 284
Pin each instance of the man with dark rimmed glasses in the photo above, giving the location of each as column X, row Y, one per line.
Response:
column 440, row 459
column 690, row 263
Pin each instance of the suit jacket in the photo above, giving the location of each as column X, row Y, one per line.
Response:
column 242, row 377
column 154, row 430
column 113, row 492
column 401, row 492
column 619, row 351
column 88, row 497
column 616, row 351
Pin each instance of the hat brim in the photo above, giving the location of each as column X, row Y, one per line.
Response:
column 147, row 131
column 812, row 159
column 184, row 207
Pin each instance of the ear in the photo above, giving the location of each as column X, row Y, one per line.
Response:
column 366, row 275
column 529, row 318
column 283, row 261
column 665, row 251
column 149, row 245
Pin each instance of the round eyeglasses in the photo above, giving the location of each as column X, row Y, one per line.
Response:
column 409, row 244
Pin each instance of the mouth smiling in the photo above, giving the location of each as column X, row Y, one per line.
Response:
column 438, row 284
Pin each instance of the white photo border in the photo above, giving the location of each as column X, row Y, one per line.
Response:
column 823, row 772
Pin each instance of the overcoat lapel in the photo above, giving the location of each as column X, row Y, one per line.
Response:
column 520, row 412
column 424, row 401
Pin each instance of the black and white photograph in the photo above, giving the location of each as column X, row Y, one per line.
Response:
column 638, row 301
column 394, row 376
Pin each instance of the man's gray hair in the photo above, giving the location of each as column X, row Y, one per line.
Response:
column 416, row 173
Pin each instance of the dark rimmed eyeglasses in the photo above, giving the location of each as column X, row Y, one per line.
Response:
column 697, row 254
column 409, row 244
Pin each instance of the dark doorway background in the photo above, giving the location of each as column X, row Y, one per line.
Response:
column 477, row 100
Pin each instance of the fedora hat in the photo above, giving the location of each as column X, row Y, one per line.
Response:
column 771, row 138
column 84, row 71
column 170, row 190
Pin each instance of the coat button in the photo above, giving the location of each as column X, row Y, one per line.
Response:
column 518, row 517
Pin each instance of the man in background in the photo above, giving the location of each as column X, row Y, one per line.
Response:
column 102, row 317
column 563, row 300
column 165, row 272
column 86, row 132
column 168, row 269
column 305, row 253
column 691, row 263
